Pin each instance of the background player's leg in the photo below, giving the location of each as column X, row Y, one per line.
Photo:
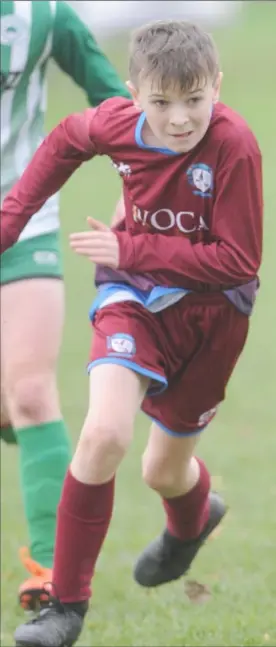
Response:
column 32, row 313
column 6, row 430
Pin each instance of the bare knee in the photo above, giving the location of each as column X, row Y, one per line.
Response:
column 100, row 450
column 168, row 478
column 32, row 399
column 157, row 476
column 168, row 464
column 103, row 439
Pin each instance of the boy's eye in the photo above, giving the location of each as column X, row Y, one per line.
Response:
column 194, row 100
column 161, row 103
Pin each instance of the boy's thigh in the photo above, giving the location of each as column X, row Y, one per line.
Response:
column 32, row 316
column 115, row 396
column 127, row 334
column 195, row 391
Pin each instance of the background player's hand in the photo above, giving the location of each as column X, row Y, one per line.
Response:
column 100, row 245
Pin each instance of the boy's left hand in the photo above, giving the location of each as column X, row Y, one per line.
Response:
column 100, row 245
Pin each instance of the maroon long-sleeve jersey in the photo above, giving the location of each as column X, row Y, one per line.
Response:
column 193, row 220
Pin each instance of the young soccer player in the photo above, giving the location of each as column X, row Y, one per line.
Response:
column 176, row 285
column 31, row 272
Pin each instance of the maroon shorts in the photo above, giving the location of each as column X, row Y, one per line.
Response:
column 188, row 351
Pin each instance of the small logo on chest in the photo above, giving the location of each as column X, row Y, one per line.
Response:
column 200, row 176
column 123, row 169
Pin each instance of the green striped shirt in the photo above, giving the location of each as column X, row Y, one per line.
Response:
column 31, row 33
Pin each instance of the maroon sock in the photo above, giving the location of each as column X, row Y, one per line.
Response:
column 83, row 518
column 188, row 514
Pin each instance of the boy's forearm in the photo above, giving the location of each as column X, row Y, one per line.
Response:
column 216, row 263
column 61, row 153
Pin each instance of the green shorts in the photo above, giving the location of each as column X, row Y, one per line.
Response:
column 37, row 257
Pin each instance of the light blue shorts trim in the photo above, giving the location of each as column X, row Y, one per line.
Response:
column 178, row 434
column 137, row 369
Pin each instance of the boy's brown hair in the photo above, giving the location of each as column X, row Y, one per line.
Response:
column 172, row 53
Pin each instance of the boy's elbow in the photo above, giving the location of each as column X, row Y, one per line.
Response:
column 244, row 260
column 249, row 268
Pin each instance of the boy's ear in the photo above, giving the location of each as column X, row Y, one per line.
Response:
column 131, row 88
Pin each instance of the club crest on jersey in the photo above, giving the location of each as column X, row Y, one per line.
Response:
column 12, row 29
column 121, row 345
column 123, row 169
column 200, row 176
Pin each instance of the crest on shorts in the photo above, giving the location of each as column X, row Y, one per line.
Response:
column 121, row 345
column 200, row 176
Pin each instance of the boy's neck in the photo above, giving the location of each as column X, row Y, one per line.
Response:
column 148, row 136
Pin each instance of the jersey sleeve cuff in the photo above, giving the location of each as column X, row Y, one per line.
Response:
column 126, row 250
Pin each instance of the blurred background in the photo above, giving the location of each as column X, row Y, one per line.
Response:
column 239, row 567
column 107, row 18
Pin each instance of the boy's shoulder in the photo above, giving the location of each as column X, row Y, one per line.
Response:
column 232, row 133
column 116, row 105
column 113, row 116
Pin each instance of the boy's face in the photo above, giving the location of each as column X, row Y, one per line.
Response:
column 176, row 120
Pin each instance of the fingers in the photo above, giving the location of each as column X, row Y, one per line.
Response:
column 87, row 250
column 96, row 224
column 91, row 239
column 99, row 246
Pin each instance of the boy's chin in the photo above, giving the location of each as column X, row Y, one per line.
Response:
column 181, row 147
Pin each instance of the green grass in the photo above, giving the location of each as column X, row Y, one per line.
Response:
column 239, row 566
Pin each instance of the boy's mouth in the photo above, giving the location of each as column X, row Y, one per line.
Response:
column 182, row 135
